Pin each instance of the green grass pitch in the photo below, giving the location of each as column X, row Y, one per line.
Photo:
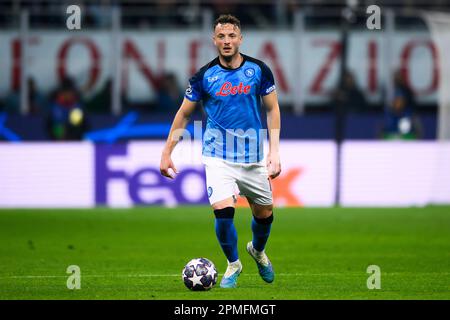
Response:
column 317, row 253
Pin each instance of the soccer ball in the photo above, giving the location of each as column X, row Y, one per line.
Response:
column 199, row 274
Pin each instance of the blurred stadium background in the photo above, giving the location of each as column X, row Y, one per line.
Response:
column 84, row 115
column 344, row 90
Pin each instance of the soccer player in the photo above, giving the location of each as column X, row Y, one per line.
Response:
column 231, row 88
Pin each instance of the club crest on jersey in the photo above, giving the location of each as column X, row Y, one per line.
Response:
column 210, row 191
column 250, row 72
column 227, row 88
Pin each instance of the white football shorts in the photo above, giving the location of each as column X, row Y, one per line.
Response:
column 226, row 179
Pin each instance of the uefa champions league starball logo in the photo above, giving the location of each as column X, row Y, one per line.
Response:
column 249, row 72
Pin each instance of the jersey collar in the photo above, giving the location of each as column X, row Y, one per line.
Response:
column 227, row 68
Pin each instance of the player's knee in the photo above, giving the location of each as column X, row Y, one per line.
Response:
column 224, row 213
column 262, row 211
column 264, row 220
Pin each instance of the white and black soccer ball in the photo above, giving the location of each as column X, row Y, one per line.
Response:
column 199, row 274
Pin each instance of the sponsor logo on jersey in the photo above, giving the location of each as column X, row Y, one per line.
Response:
column 270, row 89
column 227, row 88
column 212, row 79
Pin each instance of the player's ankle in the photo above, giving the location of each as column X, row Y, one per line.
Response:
column 256, row 251
column 234, row 263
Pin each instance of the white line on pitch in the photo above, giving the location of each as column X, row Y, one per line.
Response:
column 122, row 276
column 179, row 275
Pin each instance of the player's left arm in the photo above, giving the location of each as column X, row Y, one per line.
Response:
column 273, row 125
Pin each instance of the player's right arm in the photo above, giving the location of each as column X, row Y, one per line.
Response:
column 176, row 131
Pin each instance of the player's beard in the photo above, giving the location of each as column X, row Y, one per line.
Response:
column 229, row 58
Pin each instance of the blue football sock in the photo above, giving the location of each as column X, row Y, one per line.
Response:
column 261, row 231
column 226, row 232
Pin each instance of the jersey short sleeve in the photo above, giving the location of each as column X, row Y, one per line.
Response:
column 194, row 90
column 267, row 80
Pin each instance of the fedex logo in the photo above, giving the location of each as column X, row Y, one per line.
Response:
column 144, row 185
column 227, row 88
column 125, row 175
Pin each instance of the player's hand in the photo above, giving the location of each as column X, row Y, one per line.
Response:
column 167, row 165
column 273, row 165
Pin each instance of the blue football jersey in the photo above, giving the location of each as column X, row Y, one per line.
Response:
column 232, row 99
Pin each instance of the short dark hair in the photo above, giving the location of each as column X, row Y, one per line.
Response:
column 227, row 18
